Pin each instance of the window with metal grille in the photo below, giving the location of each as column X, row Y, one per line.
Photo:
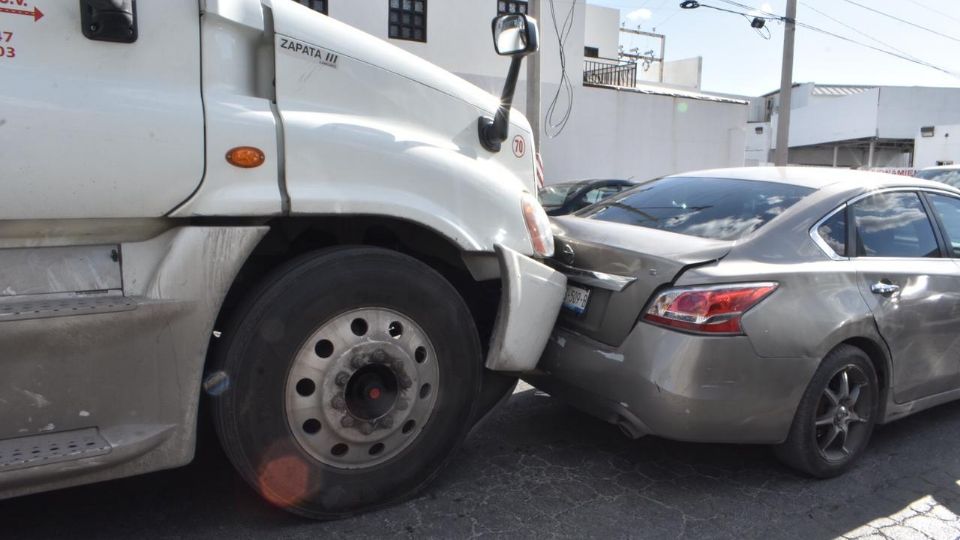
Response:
column 511, row 6
column 316, row 5
column 408, row 20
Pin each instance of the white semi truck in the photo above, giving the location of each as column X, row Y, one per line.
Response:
column 250, row 198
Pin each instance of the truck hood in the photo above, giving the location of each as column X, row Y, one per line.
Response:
column 349, row 42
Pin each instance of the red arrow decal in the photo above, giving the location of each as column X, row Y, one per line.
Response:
column 36, row 13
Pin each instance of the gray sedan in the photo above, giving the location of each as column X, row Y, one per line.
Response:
column 796, row 307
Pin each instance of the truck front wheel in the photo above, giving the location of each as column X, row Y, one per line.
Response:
column 352, row 377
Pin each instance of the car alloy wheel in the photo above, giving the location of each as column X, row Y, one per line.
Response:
column 843, row 413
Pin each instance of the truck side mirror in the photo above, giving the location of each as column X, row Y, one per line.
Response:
column 514, row 35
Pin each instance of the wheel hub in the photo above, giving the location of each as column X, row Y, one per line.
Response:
column 375, row 377
column 371, row 392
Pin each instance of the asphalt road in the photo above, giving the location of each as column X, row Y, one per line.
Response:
column 540, row 469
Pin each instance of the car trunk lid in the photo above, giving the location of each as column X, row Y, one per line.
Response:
column 622, row 266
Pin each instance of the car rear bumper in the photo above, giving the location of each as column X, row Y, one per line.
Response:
column 675, row 385
column 529, row 304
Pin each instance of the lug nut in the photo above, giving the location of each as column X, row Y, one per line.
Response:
column 379, row 356
column 402, row 404
column 356, row 362
column 386, row 422
column 366, row 428
column 347, row 421
column 342, row 378
column 405, row 382
column 339, row 403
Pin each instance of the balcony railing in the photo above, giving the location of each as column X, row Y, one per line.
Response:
column 609, row 72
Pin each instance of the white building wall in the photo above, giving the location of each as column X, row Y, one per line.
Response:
column 601, row 30
column 685, row 72
column 944, row 146
column 654, row 135
column 458, row 32
column 758, row 144
column 836, row 119
column 903, row 110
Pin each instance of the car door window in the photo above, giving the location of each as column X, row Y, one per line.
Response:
column 893, row 224
column 948, row 210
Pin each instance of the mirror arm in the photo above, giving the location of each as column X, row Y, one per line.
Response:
column 494, row 132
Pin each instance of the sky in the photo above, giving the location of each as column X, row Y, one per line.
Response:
column 737, row 60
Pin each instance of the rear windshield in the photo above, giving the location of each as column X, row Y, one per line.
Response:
column 716, row 208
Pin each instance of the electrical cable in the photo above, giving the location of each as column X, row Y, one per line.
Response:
column 751, row 9
column 937, row 11
column 868, row 36
column 553, row 126
column 878, row 49
column 692, row 4
column 904, row 21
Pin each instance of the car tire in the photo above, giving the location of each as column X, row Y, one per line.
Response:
column 318, row 359
column 836, row 415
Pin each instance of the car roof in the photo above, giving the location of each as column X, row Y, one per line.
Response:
column 942, row 168
column 818, row 177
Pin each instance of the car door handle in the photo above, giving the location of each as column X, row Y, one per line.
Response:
column 886, row 289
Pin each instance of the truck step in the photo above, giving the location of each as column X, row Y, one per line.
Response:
column 64, row 307
column 24, row 452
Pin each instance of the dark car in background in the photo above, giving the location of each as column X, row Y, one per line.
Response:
column 568, row 197
column 796, row 307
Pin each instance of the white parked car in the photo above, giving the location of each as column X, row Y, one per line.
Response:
column 948, row 174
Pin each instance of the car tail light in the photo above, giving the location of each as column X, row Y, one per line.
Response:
column 714, row 309
column 538, row 225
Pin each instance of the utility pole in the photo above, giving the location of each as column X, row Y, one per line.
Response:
column 786, row 86
column 533, row 79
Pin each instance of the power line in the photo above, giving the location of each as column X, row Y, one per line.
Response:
column 937, row 11
column 878, row 49
column 692, row 4
column 868, row 36
column 753, row 9
column 904, row 21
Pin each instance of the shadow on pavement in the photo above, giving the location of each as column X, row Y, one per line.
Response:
column 539, row 468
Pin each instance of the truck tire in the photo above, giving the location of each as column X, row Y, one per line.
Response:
column 836, row 415
column 352, row 377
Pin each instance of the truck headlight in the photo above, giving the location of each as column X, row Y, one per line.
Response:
column 538, row 225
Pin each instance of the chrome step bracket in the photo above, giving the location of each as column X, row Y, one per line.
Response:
column 64, row 307
column 34, row 450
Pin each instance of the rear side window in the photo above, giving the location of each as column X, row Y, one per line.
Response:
column 833, row 231
column 716, row 208
column 893, row 225
column 948, row 210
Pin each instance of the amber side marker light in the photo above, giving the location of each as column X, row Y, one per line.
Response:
column 246, row 157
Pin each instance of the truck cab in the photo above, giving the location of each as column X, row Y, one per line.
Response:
column 248, row 202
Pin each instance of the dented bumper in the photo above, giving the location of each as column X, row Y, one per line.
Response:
column 530, row 301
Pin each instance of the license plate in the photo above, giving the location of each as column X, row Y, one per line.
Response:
column 576, row 299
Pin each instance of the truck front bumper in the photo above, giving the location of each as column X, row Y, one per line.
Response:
column 529, row 303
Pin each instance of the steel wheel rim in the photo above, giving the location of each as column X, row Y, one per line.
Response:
column 340, row 375
column 842, row 416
